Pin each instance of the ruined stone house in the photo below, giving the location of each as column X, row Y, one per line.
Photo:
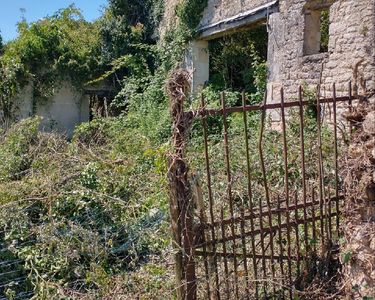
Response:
column 66, row 108
column 294, row 41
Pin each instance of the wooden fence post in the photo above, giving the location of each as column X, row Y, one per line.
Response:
column 180, row 190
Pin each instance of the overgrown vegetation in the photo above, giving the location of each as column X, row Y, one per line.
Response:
column 88, row 218
column 239, row 58
column 324, row 30
column 82, row 216
column 60, row 47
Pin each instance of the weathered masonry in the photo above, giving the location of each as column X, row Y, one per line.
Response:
column 295, row 51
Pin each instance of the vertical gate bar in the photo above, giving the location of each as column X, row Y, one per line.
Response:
column 336, row 159
column 320, row 165
column 205, row 258
column 329, row 214
column 244, row 252
column 261, row 156
column 281, row 261
column 244, row 240
column 303, row 165
column 226, row 270
column 210, row 196
column 206, row 266
column 350, row 108
column 286, row 182
column 229, row 188
column 189, row 250
column 249, row 191
column 243, row 227
column 297, row 233
column 313, row 217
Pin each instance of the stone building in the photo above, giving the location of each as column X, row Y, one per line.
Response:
column 294, row 41
column 66, row 109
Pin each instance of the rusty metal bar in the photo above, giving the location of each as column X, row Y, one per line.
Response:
column 297, row 234
column 243, row 228
column 205, row 260
column 261, row 157
column 350, row 108
column 231, row 255
column 329, row 215
column 274, row 229
column 232, row 246
column 255, row 215
column 238, row 109
column 213, row 266
column 250, row 193
column 336, row 157
column 286, row 182
column 281, row 248
column 313, row 218
column 243, row 240
column 320, row 165
column 229, row 186
column 303, row 164
column 224, row 239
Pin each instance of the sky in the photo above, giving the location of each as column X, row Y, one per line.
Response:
column 10, row 12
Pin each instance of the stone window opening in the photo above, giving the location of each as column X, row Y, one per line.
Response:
column 316, row 35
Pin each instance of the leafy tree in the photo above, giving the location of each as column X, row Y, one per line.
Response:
column 61, row 47
column 1, row 44
column 128, row 38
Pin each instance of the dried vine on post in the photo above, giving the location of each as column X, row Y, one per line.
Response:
column 180, row 191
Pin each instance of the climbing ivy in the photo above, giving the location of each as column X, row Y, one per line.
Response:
column 190, row 14
column 145, row 66
column 58, row 48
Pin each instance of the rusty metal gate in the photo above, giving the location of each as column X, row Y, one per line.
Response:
column 257, row 215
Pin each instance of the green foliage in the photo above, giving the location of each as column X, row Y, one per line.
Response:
column 86, row 212
column 1, row 44
column 61, row 47
column 89, row 216
column 190, row 14
column 346, row 257
column 238, row 61
column 11, row 74
column 146, row 12
column 324, row 30
column 130, row 58
column 14, row 149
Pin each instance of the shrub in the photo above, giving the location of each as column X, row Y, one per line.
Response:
column 14, row 148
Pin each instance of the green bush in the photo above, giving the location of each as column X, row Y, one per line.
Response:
column 86, row 211
column 14, row 148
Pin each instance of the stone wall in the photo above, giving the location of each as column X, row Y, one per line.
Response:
column 350, row 56
column 63, row 112
column 169, row 18
column 351, row 49
column 218, row 10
